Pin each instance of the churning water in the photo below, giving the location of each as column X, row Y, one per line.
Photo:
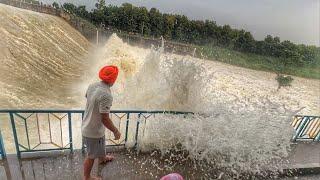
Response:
column 241, row 122
column 233, row 130
column 245, row 135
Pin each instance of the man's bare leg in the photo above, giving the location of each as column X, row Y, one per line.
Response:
column 87, row 167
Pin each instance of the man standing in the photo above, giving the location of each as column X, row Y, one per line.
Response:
column 96, row 119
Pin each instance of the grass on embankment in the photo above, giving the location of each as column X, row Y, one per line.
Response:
column 257, row 62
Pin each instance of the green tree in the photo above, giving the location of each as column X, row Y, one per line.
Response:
column 142, row 20
column 210, row 32
column 168, row 25
column 100, row 5
column 82, row 12
column 245, row 42
column 225, row 37
column 178, row 27
column 70, row 8
column 55, row 5
column 156, row 22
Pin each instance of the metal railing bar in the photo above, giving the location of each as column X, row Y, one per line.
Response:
column 37, row 150
column 304, row 128
column 56, row 116
column 306, row 138
column 120, row 117
column 46, row 142
column 147, row 116
column 318, row 136
column 313, row 127
column 15, row 134
column 36, row 146
column 70, row 131
column 37, row 119
column 38, row 111
column 27, row 132
column 57, row 145
column 63, row 116
column 22, row 117
column 296, row 122
column 20, row 145
column 137, row 131
column 61, row 132
column 17, row 114
column 29, row 116
column 119, row 127
column 81, row 111
column 2, row 150
column 299, row 128
column 317, row 130
column 127, row 127
column 66, row 145
column 50, row 135
column 302, row 116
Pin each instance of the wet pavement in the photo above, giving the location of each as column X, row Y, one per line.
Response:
column 143, row 166
column 127, row 165
column 305, row 155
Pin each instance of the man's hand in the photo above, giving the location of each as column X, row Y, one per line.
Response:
column 117, row 135
column 108, row 124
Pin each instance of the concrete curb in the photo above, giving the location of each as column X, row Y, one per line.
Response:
column 301, row 171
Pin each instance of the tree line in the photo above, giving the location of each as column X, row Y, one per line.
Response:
column 179, row 28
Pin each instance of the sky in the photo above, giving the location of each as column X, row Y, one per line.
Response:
column 294, row 20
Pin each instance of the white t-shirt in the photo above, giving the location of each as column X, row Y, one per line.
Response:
column 99, row 100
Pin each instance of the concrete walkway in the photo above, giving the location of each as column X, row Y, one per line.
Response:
column 304, row 163
column 305, row 155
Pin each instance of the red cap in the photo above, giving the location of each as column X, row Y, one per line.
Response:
column 172, row 176
column 109, row 74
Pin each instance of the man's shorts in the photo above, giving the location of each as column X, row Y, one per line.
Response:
column 95, row 147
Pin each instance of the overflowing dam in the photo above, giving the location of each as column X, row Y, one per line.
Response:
column 242, row 122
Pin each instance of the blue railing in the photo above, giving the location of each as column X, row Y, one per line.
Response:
column 306, row 128
column 50, row 130
column 2, row 150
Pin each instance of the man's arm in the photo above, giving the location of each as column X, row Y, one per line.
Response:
column 109, row 125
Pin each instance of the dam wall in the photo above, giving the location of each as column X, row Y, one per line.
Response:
column 99, row 35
